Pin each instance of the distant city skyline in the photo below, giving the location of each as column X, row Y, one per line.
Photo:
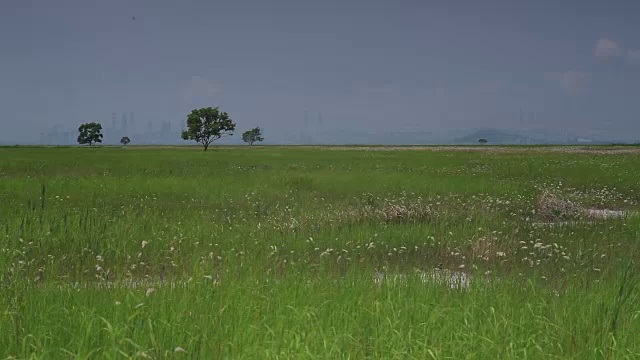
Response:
column 315, row 130
column 312, row 131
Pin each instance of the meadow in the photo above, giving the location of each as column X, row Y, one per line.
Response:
column 319, row 253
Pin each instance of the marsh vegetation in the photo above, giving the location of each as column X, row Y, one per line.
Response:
column 276, row 252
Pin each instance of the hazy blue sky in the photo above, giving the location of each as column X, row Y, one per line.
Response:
column 405, row 64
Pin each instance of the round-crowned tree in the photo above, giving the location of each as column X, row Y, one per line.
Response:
column 207, row 125
column 253, row 135
column 90, row 133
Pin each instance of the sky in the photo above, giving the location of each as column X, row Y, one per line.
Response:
column 366, row 65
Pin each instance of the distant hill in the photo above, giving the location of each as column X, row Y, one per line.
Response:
column 494, row 136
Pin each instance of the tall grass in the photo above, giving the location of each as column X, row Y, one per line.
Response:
column 279, row 253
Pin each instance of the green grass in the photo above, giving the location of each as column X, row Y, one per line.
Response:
column 274, row 252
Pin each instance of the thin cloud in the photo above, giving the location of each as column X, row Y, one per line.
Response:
column 572, row 82
column 607, row 49
column 198, row 89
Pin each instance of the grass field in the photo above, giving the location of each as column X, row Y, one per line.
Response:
column 313, row 252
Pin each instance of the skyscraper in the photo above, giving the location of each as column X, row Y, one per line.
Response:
column 166, row 127
column 124, row 122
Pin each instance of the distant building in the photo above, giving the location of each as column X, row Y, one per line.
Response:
column 124, row 122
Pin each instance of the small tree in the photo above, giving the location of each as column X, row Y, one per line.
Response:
column 125, row 140
column 253, row 135
column 90, row 133
column 483, row 141
column 207, row 125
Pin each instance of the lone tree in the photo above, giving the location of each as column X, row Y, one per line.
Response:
column 125, row 140
column 90, row 133
column 253, row 135
column 207, row 125
column 483, row 141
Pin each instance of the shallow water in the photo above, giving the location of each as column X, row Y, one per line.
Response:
column 454, row 279
column 606, row 214
column 591, row 214
column 450, row 278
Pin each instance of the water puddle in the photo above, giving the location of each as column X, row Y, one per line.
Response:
column 453, row 279
column 606, row 214
column 126, row 284
column 450, row 278
column 590, row 215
